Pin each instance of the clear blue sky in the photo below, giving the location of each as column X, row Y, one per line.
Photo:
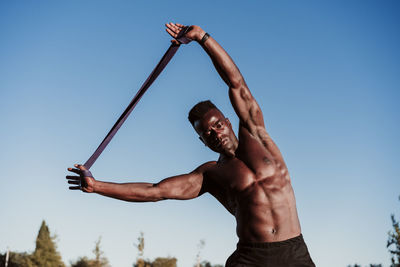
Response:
column 326, row 74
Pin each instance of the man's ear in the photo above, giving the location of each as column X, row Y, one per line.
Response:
column 228, row 122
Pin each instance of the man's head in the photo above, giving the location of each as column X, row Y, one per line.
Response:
column 214, row 130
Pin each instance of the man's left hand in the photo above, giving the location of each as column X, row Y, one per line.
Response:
column 194, row 33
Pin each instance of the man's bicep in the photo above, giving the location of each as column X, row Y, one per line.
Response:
column 185, row 186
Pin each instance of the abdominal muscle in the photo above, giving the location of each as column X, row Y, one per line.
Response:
column 266, row 211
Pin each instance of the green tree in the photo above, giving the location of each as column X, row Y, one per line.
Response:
column 371, row 265
column 140, row 245
column 200, row 246
column 393, row 243
column 82, row 262
column 164, row 262
column 208, row 264
column 99, row 260
column 16, row 259
column 46, row 254
column 158, row 262
column 140, row 261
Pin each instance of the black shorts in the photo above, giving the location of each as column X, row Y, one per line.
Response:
column 289, row 253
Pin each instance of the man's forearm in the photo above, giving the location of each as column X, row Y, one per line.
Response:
column 223, row 63
column 133, row 192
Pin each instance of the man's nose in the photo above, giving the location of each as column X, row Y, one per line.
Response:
column 218, row 134
column 214, row 134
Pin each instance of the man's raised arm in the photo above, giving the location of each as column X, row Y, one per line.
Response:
column 186, row 186
column 243, row 102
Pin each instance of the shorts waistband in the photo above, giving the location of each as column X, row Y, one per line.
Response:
column 271, row 244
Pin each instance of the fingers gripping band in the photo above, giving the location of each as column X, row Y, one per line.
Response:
column 86, row 173
column 182, row 35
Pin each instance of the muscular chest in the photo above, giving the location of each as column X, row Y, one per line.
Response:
column 236, row 176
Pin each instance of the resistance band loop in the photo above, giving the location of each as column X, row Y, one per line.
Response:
column 153, row 76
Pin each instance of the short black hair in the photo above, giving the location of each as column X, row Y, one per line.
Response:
column 199, row 110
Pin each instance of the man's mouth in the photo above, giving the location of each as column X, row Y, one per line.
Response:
column 220, row 143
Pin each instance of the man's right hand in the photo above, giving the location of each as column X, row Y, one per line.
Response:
column 84, row 181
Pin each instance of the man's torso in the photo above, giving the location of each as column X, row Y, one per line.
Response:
column 255, row 187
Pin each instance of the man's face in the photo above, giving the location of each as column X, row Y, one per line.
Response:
column 215, row 131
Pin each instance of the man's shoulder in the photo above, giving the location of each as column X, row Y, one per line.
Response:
column 206, row 166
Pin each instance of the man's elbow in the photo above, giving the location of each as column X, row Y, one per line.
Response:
column 151, row 193
column 157, row 194
column 237, row 82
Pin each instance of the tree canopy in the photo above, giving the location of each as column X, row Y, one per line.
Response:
column 46, row 254
column 99, row 260
column 393, row 243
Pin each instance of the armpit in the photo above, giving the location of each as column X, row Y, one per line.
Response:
column 267, row 142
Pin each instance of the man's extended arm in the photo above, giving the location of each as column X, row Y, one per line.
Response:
column 246, row 107
column 243, row 102
column 186, row 186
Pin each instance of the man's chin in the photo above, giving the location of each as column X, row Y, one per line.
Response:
column 221, row 149
column 224, row 149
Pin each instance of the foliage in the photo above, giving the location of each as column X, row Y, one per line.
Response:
column 142, row 263
column 86, row 262
column 200, row 246
column 82, row 262
column 140, row 245
column 208, row 264
column 371, row 265
column 393, row 243
column 158, row 262
column 98, row 261
column 16, row 259
column 164, row 262
column 46, row 254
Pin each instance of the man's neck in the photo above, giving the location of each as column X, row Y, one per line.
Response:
column 230, row 154
column 224, row 157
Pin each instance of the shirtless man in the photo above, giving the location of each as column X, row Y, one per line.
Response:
column 250, row 178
